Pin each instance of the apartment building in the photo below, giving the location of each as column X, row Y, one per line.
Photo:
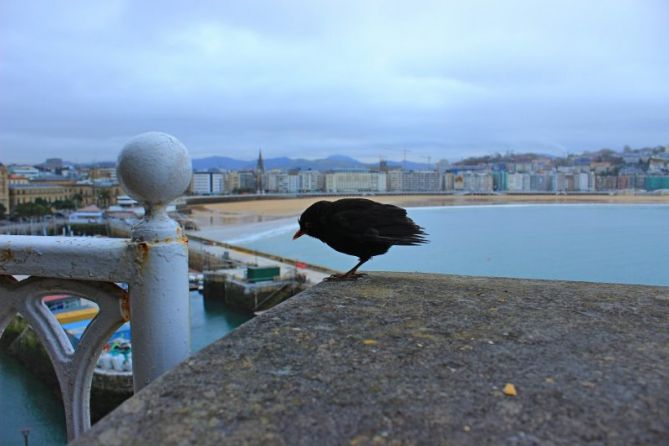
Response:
column 519, row 182
column 281, row 182
column 311, row 181
column 206, row 183
column 414, row 181
column 351, row 182
column 478, row 182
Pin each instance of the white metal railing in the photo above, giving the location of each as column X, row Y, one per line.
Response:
column 154, row 168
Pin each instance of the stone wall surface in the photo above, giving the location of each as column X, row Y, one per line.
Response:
column 421, row 359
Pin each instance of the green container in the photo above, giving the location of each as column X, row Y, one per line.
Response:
column 262, row 273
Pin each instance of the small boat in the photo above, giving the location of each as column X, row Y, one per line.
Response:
column 116, row 357
column 195, row 281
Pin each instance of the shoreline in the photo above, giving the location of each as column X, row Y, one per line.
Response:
column 238, row 233
column 241, row 219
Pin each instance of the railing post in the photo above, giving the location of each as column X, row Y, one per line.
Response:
column 155, row 168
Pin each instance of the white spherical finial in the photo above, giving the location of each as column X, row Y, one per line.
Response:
column 154, row 168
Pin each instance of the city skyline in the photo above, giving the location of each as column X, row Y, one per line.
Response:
column 27, row 191
column 304, row 79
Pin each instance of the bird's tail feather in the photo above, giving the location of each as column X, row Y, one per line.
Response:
column 401, row 235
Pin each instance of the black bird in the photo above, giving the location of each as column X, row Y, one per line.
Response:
column 359, row 227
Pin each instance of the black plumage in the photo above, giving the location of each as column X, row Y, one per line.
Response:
column 359, row 227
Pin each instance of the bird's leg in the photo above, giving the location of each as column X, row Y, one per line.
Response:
column 351, row 274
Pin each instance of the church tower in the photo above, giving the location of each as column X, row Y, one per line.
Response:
column 260, row 174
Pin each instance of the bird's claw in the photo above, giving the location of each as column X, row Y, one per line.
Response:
column 336, row 277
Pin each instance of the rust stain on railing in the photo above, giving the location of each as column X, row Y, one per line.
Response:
column 6, row 255
column 143, row 248
column 124, row 303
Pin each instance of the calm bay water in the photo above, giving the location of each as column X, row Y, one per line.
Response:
column 599, row 243
column 26, row 402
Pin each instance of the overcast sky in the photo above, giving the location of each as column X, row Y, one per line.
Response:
column 311, row 78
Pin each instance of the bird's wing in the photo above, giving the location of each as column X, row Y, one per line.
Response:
column 383, row 223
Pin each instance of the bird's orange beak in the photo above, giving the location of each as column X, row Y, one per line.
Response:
column 298, row 234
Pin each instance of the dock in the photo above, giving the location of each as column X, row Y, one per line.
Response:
column 313, row 273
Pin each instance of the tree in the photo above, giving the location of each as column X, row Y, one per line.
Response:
column 42, row 202
column 3, row 211
column 64, row 204
column 77, row 199
column 27, row 210
column 104, row 197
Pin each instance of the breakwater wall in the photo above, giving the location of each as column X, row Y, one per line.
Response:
column 253, row 252
column 249, row 297
column 201, row 260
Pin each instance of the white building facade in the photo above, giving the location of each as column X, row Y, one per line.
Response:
column 352, row 182
column 207, row 183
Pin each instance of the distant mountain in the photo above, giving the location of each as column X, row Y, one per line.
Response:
column 222, row 162
column 330, row 163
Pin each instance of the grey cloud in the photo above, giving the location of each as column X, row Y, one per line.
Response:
column 302, row 78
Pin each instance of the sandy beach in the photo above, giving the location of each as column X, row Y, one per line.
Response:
column 262, row 215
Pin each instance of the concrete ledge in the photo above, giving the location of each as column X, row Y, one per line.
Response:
column 421, row 359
